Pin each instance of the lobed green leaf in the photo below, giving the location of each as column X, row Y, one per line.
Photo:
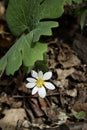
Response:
column 43, row 28
column 25, row 15
column 20, row 52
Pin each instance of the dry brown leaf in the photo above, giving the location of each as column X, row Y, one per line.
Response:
column 2, row 10
column 35, row 107
column 71, row 62
column 61, row 84
column 80, row 107
column 62, row 74
column 67, row 57
column 52, row 113
column 10, row 101
column 82, row 94
column 43, row 103
column 62, row 117
column 81, row 85
column 11, row 118
column 52, row 63
column 79, row 75
column 72, row 93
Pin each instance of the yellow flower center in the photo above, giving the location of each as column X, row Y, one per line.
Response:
column 40, row 82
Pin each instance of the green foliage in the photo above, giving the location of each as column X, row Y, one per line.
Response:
column 43, row 28
column 20, row 52
column 80, row 115
column 25, row 17
column 42, row 65
column 82, row 20
column 76, row 1
column 28, row 20
column 82, row 13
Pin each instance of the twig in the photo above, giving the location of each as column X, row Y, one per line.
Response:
column 15, row 96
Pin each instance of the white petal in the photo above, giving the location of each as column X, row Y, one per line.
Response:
column 49, row 85
column 30, row 85
column 40, row 74
column 42, row 92
column 31, row 80
column 47, row 75
column 34, row 74
column 34, row 90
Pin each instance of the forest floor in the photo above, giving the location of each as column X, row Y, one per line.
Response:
column 65, row 108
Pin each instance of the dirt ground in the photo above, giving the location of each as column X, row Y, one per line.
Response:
column 65, row 108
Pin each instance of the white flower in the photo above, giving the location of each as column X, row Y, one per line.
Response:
column 38, row 83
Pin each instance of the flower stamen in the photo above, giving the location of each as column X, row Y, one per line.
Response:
column 39, row 82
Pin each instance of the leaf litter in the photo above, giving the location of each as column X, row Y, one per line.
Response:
column 59, row 109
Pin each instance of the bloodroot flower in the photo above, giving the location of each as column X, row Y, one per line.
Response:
column 39, row 84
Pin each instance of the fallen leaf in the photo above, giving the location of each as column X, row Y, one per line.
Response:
column 61, row 84
column 35, row 107
column 2, row 10
column 11, row 118
column 10, row 101
column 52, row 64
column 52, row 113
column 80, row 107
column 72, row 93
column 43, row 103
column 63, row 74
column 67, row 57
column 79, row 75
column 62, row 117
column 80, row 115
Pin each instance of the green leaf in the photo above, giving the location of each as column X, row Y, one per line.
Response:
column 31, row 55
column 42, row 65
column 68, row 2
column 76, row 1
column 14, row 55
column 14, row 60
column 43, row 28
column 80, row 115
column 28, row 16
column 20, row 52
column 25, row 48
column 25, row 15
column 82, row 12
column 83, row 17
column 3, row 63
column 36, row 53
